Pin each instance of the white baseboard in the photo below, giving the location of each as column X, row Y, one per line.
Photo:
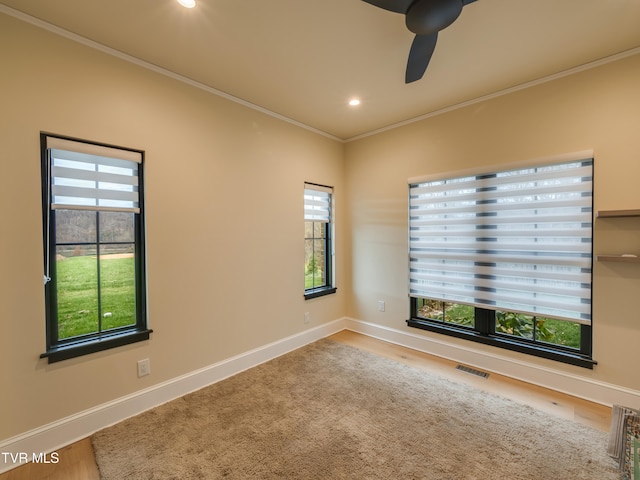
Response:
column 53, row 436
column 560, row 381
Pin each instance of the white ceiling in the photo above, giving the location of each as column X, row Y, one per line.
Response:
column 304, row 59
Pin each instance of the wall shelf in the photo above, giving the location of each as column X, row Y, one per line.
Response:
column 617, row 213
column 617, row 258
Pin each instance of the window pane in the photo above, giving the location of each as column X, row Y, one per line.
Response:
column 515, row 324
column 75, row 226
column 308, row 229
column 558, row 332
column 116, row 227
column 446, row 312
column 76, row 281
column 318, row 263
column 540, row 329
column 315, row 255
column 432, row 309
column 308, row 263
column 117, row 288
column 318, row 229
column 459, row 314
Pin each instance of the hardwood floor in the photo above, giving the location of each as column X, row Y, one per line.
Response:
column 77, row 461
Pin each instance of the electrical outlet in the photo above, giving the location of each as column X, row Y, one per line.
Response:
column 144, row 367
column 381, row 305
column 307, row 317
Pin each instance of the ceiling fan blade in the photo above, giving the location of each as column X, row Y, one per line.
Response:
column 467, row 2
column 398, row 6
column 419, row 56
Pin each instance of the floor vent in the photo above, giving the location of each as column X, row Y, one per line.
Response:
column 472, row 371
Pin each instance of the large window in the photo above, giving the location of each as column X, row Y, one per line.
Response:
column 94, row 247
column 505, row 258
column 318, row 246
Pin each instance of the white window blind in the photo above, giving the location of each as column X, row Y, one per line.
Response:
column 317, row 203
column 518, row 240
column 91, row 177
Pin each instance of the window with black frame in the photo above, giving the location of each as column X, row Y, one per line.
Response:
column 505, row 258
column 318, row 246
column 94, row 247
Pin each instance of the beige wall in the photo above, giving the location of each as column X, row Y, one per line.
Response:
column 225, row 274
column 597, row 109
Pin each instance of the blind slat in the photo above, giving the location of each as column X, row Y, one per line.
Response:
column 558, row 273
column 61, row 173
column 98, row 194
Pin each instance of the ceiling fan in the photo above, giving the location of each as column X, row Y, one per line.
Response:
column 425, row 18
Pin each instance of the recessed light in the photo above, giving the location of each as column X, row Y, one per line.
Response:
column 354, row 102
column 187, row 3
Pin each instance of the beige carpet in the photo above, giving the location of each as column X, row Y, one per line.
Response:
column 330, row 411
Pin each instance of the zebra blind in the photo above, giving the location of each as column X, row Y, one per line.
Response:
column 317, row 203
column 85, row 176
column 517, row 240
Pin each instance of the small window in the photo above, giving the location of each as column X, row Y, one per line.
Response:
column 505, row 258
column 318, row 246
column 94, row 247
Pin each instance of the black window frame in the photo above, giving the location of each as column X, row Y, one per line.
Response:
column 484, row 331
column 62, row 349
column 328, row 287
